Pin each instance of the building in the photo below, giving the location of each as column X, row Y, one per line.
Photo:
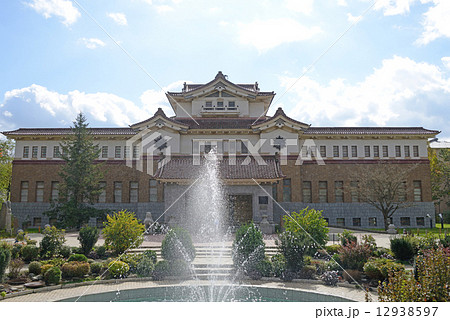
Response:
column 436, row 145
column 297, row 164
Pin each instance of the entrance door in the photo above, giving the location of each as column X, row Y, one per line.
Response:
column 241, row 209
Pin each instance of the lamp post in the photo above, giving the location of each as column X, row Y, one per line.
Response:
column 431, row 221
column 442, row 220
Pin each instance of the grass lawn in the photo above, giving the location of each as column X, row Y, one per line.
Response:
column 436, row 230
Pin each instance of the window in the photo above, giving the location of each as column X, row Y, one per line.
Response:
column 385, row 152
column 34, row 152
column 26, row 152
column 153, row 190
column 134, row 191
column 208, row 105
column 231, row 105
column 55, row 190
column 420, row 221
column 126, row 152
column 398, row 151
column 336, row 151
column 339, row 191
column 405, row 221
column 102, row 195
column 354, row 151
column 56, row 153
column 354, row 191
column 40, row 191
column 357, row 222
column 287, row 190
column 416, row 151
column 323, row 191
column 417, row 190
column 340, row 222
column 367, row 151
column 118, row 192
column 219, row 105
column 24, row 191
column 263, row 200
column 323, row 151
column 407, row 153
column 345, row 151
column 43, row 152
column 104, row 151
column 135, row 152
column 402, row 192
column 372, row 222
column 376, row 151
column 37, row 221
column 306, row 190
column 244, row 148
column 118, row 152
column 275, row 192
column 208, row 147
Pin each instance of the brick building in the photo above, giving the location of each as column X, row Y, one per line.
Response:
column 149, row 164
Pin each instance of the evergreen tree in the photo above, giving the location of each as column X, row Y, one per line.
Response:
column 6, row 150
column 80, row 178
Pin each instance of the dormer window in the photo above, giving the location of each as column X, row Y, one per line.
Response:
column 208, row 105
column 231, row 105
column 220, row 105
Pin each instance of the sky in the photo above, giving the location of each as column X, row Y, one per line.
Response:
column 330, row 62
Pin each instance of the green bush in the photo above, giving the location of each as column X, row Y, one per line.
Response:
column 65, row 251
column 75, row 269
column 15, row 266
column 35, row 267
column 78, row 257
column 402, row 248
column 52, row 242
column 177, row 244
column 332, row 249
column 347, row 237
column 123, row 231
column 378, row 269
column 248, row 248
column 45, row 267
column 29, row 253
column 15, row 250
column 265, row 268
column 96, row 267
column 161, row 270
column 145, row 267
column 52, row 276
column 352, row 275
column 353, row 256
column 88, row 237
column 151, row 254
column 179, row 268
column 445, row 241
column 307, row 272
column 278, row 264
column 56, row 262
column 5, row 257
column 118, row 269
column 132, row 259
column 101, row 251
column 293, row 247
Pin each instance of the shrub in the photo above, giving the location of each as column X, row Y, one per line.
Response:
column 15, row 266
column 179, row 267
column 29, row 253
column 96, row 267
column 248, row 248
column 15, row 250
column 383, row 253
column 65, row 251
column 347, row 237
column 330, row 278
column 88, row 237
column 445, row 241
column 402, row 248
column 52, row 242
column 45, row 268
column 52, row 276
column 332, row 265
column 21, row 236
column 161, row 270
column 177, row 244
column 313, row 223
column 352, row 275
column 278, row 264
column 35, row 267
column 145, row 267
column 369, row 240
column 5, row 257
column 354, row 256
column 78, row 257
column 293, row 247
column 75, row 269
column 332, row 249
column 123, row 231
column 118, row 269
column 101, row 251
column 378, row 269
column 265, row 268
column 307, row 272
column 151, row 254
column 132, row 259
column 56, row 262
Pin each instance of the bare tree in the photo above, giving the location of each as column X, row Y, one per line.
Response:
column 384, row 186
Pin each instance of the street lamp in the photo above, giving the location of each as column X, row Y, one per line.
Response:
column 442, row 221
column 431, row 221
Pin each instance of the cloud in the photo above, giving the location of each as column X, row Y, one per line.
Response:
column 91, row 43
column 268, row 34
column 304, row 6
column 154, row 99
column 118, row 18
column 401, row 92
column 353, row 19
column 435, row 22
column 446, row 62
column 163, row 8
column 342, row 3
column 60, row 8
column 393, row 7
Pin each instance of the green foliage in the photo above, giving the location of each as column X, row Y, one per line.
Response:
column 15, row 250
column 176, row 245
column 378, row 269
column 265, row 268
column 96, row 267
column 132, row 259
column 52, row 242
column 151, row 254
column 278, row 264
column 440, row 174
column 431, row 283
column 56, row 262
column 78, row 257
column 123, row 231
column 75, row 269
column 352, row 275
column 310, row 221
column 179, row 268
column 118, row 269
column 6, row 151
column 101, row 251
column 145, row 267
column 332, row 249
column 347, row 237
column 307, row 272
column 445, row 241
column 88, row 237
column 402, row 248
column 248, row 248
column 29, row 253
column 293, row 246
column 353, row 256
column 22, row 236
column 161, row 270
column 35, row 267
column 5, row 257
column 15, row 266
column 45, row 267
column 65, row 251
column 52, row 276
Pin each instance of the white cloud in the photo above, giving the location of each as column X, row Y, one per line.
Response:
column 342, row 3
column 304, row 6
column 154, row 99
column 268, row 34
column 92, row 43
column 163, row 8
column 118, row 18
column 353, row 19
column 400, row 92
column 7, row 114
column 446, row 62
column 60, row 8
column 435, row 21
column 393, row 7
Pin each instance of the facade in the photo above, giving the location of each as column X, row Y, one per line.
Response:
column 149, row 165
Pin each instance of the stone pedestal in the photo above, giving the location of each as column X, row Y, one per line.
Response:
column 148, row 221
column 265, row 226
column 5, row 216
column 391, row 229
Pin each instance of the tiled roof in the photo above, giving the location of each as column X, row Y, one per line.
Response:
column 161, row 113
column 67, row 131
column 183, row 168
column 369, row 130
column 280, row 112
column 219, row 123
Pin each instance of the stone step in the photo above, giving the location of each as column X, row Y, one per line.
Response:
column 213, row 270
column 215, row 276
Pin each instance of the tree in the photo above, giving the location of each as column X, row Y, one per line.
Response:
column 440, row 174
column 384, row 187
column 6, row 150
column 81, row 176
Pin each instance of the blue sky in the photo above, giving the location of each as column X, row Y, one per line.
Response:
column 391, row 68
